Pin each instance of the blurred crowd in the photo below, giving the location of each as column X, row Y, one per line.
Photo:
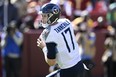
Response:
column 87, row 16
column 25, row 12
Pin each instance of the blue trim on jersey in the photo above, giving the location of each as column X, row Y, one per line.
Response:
column 62, row 26
column 51, row 50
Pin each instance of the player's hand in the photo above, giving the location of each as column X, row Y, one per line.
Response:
column 40, row 43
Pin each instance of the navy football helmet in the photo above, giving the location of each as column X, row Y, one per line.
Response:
column 52, row 10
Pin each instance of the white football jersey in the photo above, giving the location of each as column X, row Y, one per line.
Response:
column 67, row 48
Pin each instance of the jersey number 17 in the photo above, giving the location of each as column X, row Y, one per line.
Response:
column 68, row 31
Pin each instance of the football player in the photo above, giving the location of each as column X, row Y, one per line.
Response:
column 58, row 42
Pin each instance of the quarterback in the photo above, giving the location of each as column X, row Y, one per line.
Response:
column 58, row 42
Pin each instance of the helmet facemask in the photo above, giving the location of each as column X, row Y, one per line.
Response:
column 52, row 18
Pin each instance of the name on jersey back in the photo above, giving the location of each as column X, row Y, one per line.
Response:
column 61, row 26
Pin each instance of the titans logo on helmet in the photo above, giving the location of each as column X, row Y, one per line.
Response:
column 55, row 10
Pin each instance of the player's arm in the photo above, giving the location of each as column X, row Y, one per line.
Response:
column 49, row 50
column 51, row 54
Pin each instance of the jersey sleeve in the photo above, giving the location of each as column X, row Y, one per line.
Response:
column 51, row 45
column 44, row 34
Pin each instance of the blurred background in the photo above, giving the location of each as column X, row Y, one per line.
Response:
column 94, row 23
